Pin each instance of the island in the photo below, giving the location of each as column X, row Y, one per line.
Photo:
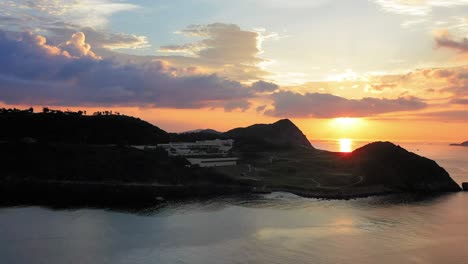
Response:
column 70, row 158
column 464, row 144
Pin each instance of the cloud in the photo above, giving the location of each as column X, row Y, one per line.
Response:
column 59, row 32
column 262, row 86
column 59, row 19
column 460, row 101
column 417, row 7
column 224, row 48
column 445, row 40
column 77, row 46
column 455, row 79
column 289, row 104
column 87, row 13
column 35, row 72
column 450, row 115
column 260, row 108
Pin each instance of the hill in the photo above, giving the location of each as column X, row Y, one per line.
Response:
column 74, row 152
column 207, row 131
column 387, row 164
column 282, row 133
column 75, row 127
column 464, row 144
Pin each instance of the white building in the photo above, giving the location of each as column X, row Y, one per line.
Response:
column 207, row 153
column 199, row 148
column 213, row 162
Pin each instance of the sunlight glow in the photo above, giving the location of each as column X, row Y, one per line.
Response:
column 346, row 121
column 346, row 145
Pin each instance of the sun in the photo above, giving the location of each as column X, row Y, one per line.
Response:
column 346, row 145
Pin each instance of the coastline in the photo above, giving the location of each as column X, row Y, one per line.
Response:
column 112, row 195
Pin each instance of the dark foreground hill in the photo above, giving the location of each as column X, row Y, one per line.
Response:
column 74, row 127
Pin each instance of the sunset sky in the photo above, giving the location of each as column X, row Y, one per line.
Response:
column 361, row 69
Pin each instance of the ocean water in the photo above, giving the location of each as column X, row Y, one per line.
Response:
column 273, row 228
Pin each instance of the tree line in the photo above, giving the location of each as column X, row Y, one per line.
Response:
column 47, row 110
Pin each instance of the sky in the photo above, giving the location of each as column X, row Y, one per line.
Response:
column 361, row 69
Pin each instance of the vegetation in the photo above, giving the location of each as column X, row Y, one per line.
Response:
column 76, row 127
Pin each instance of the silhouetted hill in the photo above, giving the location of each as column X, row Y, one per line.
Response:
column 385, row 163
column 282, row 133
column 192, row 137
column 464, row 144
column 72, row 127
column 205, row 131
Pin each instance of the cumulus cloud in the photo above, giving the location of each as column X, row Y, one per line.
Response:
column 105, row 39
column 59, row 19
column 445, row 40
column 224, row 48
column 289, row 104
column 225, row 43
column 77, row 46
column 34, row 72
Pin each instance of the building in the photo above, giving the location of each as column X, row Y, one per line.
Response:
column 207, row 153
column 213, row 162
column 217, row 147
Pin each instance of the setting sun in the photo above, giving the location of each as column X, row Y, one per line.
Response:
column 345, row 145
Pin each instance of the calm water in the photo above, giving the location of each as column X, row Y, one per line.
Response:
column 275, row 228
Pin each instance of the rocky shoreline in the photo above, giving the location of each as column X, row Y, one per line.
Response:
column 65, row 194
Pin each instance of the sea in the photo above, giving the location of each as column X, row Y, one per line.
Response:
column 271, row 228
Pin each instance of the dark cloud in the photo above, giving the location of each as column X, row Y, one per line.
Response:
column 262, row 86
column 445, row 40
column 34, row 72
column 289, row 104
column 260, row 108
column 460, row 101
